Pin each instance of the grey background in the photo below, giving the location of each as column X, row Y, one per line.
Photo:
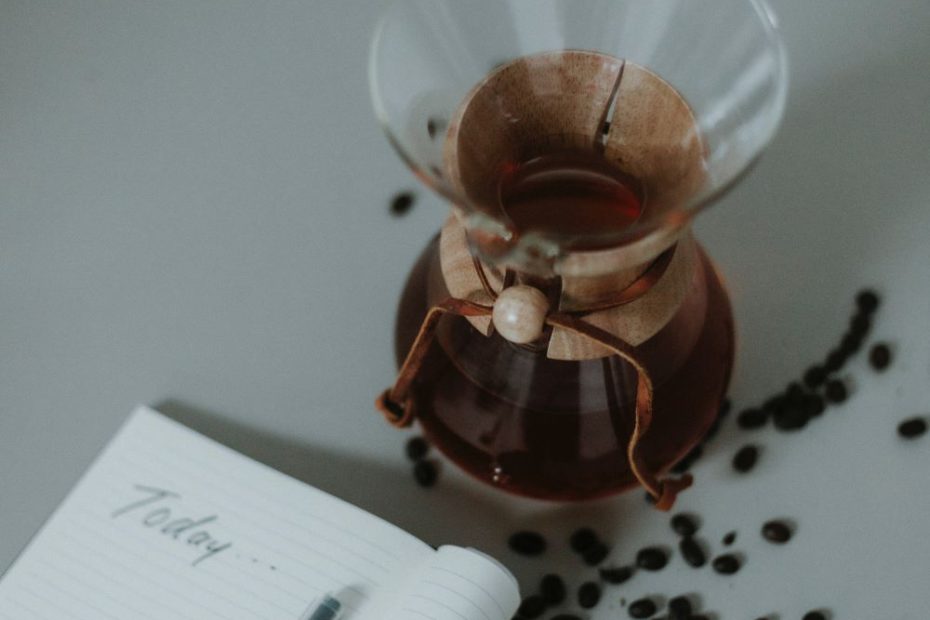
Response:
column 193, row 214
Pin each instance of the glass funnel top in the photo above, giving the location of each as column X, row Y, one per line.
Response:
column 499, row 104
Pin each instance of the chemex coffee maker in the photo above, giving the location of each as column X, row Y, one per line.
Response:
column 565, row 337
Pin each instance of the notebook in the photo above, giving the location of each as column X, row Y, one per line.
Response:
column 168, row 524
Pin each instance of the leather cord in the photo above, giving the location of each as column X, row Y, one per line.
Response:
column 397, row 403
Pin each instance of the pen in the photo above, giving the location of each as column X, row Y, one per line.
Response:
column 327, row 609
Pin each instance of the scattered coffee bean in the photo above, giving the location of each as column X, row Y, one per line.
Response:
column 725, row 407
column 880, row 357
column 913, row 428
column 726, row 564
column 595, row 554
column 851, row 344
column 532, row 607
column 616, row 576
column 746, row 458
column 652, row 558
column 814, row 615
column 836, row 391
column 552, row 589
column 699, row 617
column 566, row 617
column 434, row 126
column 402, row 203
column 692, row 553
column 774, row 404
column 679, row 608
column 815, row 376
column 729, row 539
column 776, row 532
column 642, row 608
column 813, row 405
column 752, row 419
column 528, row 543
column 583, row 539
column 589, row 595
column 836, row 359
column 867, row 301
column 790, row 419
column 417, row 448
column 860, row 325
column 684, row 525
column 425, row 473
column 794, row 394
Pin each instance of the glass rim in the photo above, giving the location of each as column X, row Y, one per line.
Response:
column 644, row 228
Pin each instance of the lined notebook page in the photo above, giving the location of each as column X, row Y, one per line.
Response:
column 457, row 584
column 169, row 524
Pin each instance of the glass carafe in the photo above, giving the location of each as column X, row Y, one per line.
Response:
column 565, row 337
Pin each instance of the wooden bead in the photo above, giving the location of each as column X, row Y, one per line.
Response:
column 520, row 314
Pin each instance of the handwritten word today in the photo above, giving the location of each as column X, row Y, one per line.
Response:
column 156, row 513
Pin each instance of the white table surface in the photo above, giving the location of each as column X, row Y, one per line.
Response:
column 193, row 212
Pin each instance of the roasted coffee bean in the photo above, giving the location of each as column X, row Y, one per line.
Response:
column 791, row 419
column 566, row 617
column 589, row 595
column 425, row 473
column 434, row 126
column 880, row 357
column 776, row 532
column 860, row 325
column 836, row 359
column 913, row 428
column 552, row 589
column 595, row 554
column 725, row 407
column 402, row 203
column 752, row 419
column 417, row 448
column 532, row 607
column 729, row 539
column 528, row 543
column 679, row 608
column 699, row 617
column 746, row 458
column 814, row 615
column 836, row 391
column 642, row 608
column 815, row 376
column 813, row 405
column 583, row 539
column 774, row 404
column 851, row 343
column 794, row 394
column 616, row 576
column 652, row 558
column 684, row 524
column 726, row 564
column 867, row 301
column 692, row 553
